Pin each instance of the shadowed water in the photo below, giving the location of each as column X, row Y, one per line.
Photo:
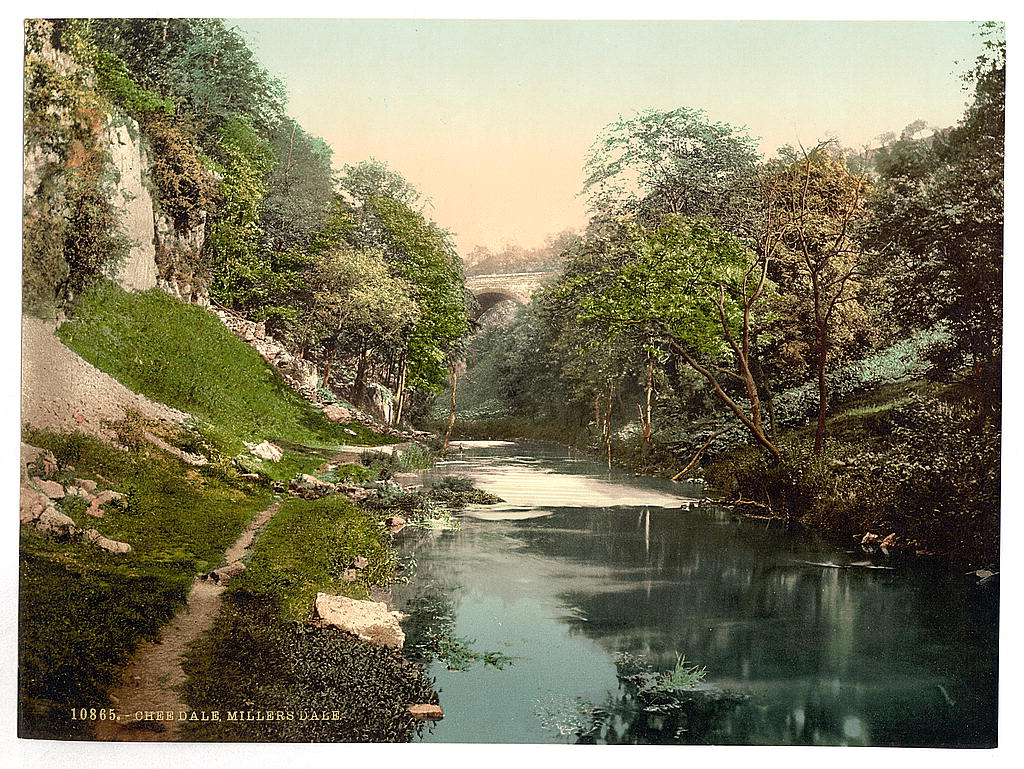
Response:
column 579, row 564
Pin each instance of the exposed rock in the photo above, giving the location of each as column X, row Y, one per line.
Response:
column 266, row 450
column 105, row 543
column 395, row 523
column 306, row 481
column 33, row 504
column 55, row 522
column 352, row 491
column 891, row 542
column 225, row 573
column 369, row 620
column 131, row 199
column 76, row 491
column 360, row 562
column 191, row 459
column 88, row 485
column 51, row 489
column 350, row 575
column 95, row 506
column 39, row 462
column 336, row 413
column 426, row 712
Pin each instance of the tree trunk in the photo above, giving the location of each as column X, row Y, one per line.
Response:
column 399, row 397
column 608, row 423
column 451, row 411
column 821, row 329
column 754, row 427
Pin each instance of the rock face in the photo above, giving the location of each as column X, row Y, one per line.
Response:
column 369, row 620
column 121, row 142
column 182, row 270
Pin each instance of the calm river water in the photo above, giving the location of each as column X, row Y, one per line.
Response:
column 824, row 645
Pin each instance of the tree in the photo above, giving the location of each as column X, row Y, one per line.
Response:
column 675, row 162
column 937, row 222
column 386, row 219
column 299, row 189
column 812, row 205
column 241, row 267
column 356, row 308
column 699, row 291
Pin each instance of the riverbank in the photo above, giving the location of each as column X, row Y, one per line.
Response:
column 905, row 465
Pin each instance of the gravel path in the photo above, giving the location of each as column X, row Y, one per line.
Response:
column 61, row 392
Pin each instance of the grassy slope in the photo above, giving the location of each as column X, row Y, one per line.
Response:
column 183, row 356
column 261, row 655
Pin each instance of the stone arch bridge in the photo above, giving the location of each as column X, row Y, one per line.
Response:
column 518, row 287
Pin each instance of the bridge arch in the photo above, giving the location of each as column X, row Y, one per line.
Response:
column 491, row 290
column 489, row 298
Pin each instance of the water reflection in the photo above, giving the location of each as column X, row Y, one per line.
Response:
column 828, row 650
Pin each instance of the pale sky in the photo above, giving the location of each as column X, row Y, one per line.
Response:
column 492, row 119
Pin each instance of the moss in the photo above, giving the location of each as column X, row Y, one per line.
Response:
column 250, row 661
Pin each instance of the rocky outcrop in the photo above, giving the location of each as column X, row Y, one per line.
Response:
column 130, row 164
column 183, row 271
column 368, row 620
column 37, row 510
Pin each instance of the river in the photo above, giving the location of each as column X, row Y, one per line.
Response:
column 802, row 641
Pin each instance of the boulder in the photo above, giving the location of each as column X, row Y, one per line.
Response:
column 33, row 504
column 336, row 413
column 109, row 495
column 77, row 491
column 56, row 523
column 39, row 461
column 395, row 523
column 87, row 485
column 426, row 712
column 266, row 450
column 306, row 481
column 51, row 489
column 104, row 543
column 369, row 620
column 360, row 562
column 225, row 573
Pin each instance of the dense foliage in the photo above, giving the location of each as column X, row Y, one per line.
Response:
column 282, row 240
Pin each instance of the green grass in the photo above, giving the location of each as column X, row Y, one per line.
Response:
column 82, row 611
column 183, row 356
column 262, row 654
column 305, row 549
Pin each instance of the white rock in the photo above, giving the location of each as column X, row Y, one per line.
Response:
column 266, row 450
column 369, row 620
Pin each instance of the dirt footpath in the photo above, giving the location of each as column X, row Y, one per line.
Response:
column 151, row 680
